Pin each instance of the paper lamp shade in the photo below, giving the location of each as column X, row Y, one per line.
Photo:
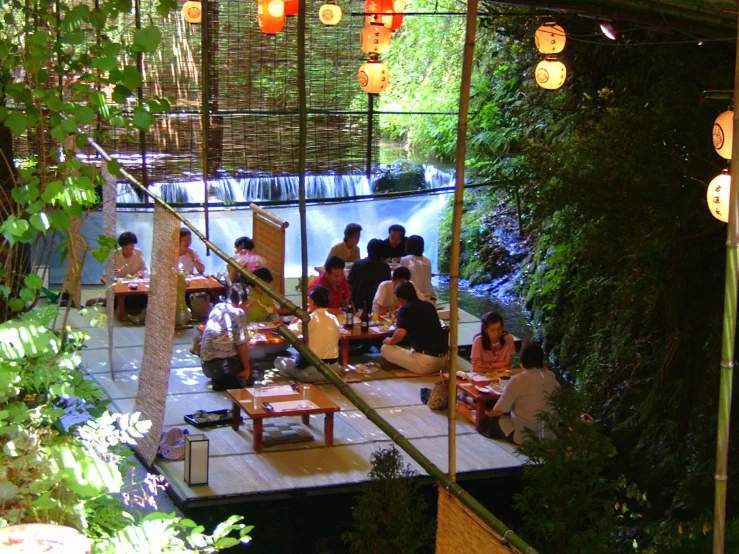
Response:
column 373, row 77
column 550, row 74
column 329, row 14
column 550, row 39
column 271, row 16
column 717, row 196
column 381, row 11
column 192, row 12
column 723, row 134
column 375, row 39
column 291, row 7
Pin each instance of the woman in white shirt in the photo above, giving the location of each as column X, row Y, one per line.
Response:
column 419, row 265
column 129, row 260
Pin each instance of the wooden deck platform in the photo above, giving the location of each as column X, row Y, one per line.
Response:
column 238, row 474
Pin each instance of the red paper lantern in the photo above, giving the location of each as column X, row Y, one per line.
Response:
column 291, row 7
column 373, row 76
column 271, row 16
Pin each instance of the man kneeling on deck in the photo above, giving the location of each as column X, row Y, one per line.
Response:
column 224, row 349
column 419, row 322
column 323, row 339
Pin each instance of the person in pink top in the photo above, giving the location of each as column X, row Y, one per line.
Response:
column 493, row 348
column 334, row 280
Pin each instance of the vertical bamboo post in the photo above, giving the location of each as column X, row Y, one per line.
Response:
column 464, row 107
column 205, row 103
column 370, row 135
column 727, row 341
column 140, row 97
column 303, row 122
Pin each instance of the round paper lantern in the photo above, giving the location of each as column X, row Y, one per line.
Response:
column 550, row 74
column 373, row 76
column 271, row 16
column 329, row 14
column 291, row 7
column 550, row 39
column 192, row 12
column 718, row 196
column 723, row 134
column 375, row 39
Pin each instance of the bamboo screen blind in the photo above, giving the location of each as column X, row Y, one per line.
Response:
column 253, row 94
column 268, row 232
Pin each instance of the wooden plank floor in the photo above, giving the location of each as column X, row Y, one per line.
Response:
column 238, row 474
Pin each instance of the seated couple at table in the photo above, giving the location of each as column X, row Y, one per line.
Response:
column 323, row 339
column 525, row 395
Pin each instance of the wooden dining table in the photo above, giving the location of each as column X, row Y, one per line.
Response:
column 122, row 290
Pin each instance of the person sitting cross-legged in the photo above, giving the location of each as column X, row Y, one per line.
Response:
column 385, row 300
column 333, row 280
column 224, row 348
column 323, row 339
column 419, row 323
column 525, row 395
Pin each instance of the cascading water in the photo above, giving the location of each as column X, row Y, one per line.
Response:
column 229, row 190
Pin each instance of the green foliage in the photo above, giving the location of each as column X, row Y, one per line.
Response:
column 570, row 503
column 73, row 77
column 390, row 516
column 50, row 475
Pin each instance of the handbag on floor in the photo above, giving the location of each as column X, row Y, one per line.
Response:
column 439, row 398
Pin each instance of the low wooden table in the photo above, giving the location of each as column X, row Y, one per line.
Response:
column 346, row 336
column 123, row 290
column 287, row 404
column 481, row 401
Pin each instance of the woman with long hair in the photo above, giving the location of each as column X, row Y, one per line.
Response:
column 493, row 348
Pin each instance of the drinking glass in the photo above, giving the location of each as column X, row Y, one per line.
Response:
column 257, row 393
column 305, row 392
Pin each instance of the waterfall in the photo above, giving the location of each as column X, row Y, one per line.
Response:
column 229, row 190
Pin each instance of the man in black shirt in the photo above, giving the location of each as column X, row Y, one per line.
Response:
column 419, row 323
column 367, row 273
column 393, row 247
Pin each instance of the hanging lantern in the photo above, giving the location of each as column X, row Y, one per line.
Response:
column 291, row 7
column 373, row 76
column 550, row 38
column 375, row 38
column 718, row 196
column 271, row 16
column 723, row 134
column 550, row 74
column 375, row 9
column 192, row 12
column 330, row 13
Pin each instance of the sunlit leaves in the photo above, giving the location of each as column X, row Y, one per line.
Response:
column 142, row 119
column 146, row 39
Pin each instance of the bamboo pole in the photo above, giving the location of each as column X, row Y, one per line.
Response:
column 205, row 105
column 727, row 343
column 140, row 98
column 464, row 106
column 302, row 141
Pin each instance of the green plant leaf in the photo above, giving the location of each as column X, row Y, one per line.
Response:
column 114, row 167
column 16, row 122
column 121, row 93
column 131, row 77
column 60, row 221
column 84, row 473
column 40, row 221
column 148, row 38
column 32, row 281
column 16, row 305
column 142, row 119
column 21, row 339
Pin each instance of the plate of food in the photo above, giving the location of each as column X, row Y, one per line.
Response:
column 367, row 368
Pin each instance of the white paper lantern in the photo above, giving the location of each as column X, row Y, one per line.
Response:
column 329, row 14
column 550, row 74
column 373, row 76
column 192, row 11
column 375, row 38
column 550, row 39
column 717, row 196
column 723, row 134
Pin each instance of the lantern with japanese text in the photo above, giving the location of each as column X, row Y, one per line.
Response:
column 291, row 7
column 192, row 11
column 550, row 74
column 375, row 38
column 550, row 38
column 330, row 13
column 373, row 76
column 271, row 16
column 723, row 134
column 717, row 196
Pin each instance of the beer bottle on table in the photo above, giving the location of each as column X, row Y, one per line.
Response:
column 348, row 314
column 364, row 327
